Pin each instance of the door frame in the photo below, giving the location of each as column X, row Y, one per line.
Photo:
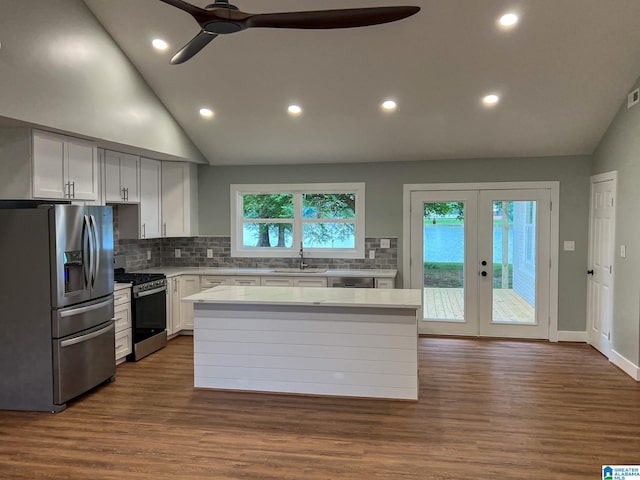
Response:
column 554, row 231
column 594, row 179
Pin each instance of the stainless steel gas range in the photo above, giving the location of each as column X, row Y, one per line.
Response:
column 148, row 311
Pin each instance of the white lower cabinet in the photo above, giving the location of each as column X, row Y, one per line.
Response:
column 180, row 314
column 122, row 321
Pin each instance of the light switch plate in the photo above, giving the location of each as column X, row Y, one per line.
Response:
column 569, row 246
column 372, row 254
column 148, row 254
column 177, row 253
column 623, row 251
column 209, row 252
column 385, row 243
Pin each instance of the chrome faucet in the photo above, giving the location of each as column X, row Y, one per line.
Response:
column 301, row 253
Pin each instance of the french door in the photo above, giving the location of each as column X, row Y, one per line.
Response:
column 481, row 258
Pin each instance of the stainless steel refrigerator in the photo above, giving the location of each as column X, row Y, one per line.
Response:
column 56, row 304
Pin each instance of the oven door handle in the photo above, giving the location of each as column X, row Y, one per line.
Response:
column 150, row 292
column 84, row 338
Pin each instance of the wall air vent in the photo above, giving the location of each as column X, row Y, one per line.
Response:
column 633, row 98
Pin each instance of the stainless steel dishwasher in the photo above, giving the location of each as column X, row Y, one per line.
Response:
column 351, row 282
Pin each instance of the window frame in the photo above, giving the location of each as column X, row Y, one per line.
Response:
column 297, row 189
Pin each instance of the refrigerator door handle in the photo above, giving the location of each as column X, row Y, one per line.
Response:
column 96, row 249
column 84, row 338
column 86, row 248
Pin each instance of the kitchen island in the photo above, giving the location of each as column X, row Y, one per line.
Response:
column 313, row 341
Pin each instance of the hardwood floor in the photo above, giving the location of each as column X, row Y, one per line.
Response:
column 488, row 409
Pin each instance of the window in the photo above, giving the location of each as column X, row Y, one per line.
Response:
column 273, row 220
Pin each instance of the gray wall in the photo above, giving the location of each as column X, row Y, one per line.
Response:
column 384, row 189
column 60, row 69
column 619, row 149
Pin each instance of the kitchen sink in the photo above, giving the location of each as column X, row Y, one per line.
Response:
column 300, row 270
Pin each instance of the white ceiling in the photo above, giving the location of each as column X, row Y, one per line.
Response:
column 562, row 73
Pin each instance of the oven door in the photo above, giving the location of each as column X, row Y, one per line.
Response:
column 149, row 313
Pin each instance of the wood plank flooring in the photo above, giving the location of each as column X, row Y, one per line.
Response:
column 488, row 409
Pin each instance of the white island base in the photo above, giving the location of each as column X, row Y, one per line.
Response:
column 313, row 341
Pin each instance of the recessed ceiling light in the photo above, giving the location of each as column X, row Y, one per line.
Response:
column 508, row 20
column 389, row 106
column 159, row 44
column 294, row 110
column 491, row 99
column 206, row 113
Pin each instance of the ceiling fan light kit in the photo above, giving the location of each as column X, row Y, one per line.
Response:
column 221, row 18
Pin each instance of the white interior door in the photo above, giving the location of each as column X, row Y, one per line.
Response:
column 601, row 254
column 482, row 258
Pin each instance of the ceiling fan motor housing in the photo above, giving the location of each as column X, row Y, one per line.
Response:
column 221, row 26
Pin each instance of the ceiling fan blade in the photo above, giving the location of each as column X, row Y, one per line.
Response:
column 187, row 7
column 327, row 19
column 196, row 44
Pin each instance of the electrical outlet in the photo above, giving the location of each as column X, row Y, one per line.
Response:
column 569, row 246
column 372, row 254
column 177, row 252
column 633, row 98
column 209, row 252
column 148, row 254
column 385, row 243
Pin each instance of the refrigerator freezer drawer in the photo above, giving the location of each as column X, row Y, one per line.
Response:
column 82, row 361
column 70, row 320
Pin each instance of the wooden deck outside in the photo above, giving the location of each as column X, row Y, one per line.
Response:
column 448, row 303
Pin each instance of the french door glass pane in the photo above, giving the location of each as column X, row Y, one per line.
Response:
column 514, row 262
column 443, row 255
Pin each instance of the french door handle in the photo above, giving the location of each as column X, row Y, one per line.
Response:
column 483, row 273
column 589, row 272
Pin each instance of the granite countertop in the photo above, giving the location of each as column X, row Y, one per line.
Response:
column 284, row 272
column 330, row 297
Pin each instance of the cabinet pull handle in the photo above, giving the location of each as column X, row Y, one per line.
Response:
column 73, row 184
column 144, row 231
column 122, row 195
column 164, row 227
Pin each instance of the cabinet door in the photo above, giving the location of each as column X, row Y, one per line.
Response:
column 113, row 189
column 130, row 177
column 150, row 211
column 48, row 166
column 173, row 306
column 189, row 284
column 276, row 281
column 176, row 199
column 82, row 170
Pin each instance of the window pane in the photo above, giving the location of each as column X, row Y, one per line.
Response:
column 329, row 205
column 267, row 235
column 276, row 205
column 329, row 235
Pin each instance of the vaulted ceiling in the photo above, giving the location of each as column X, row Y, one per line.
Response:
column 561, row 73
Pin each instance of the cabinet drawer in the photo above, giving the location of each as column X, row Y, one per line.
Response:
column 123, row 343
column 276, row 281
column 121, row 296
column 212, row 281
column 122, row 317
column 244, row 281
column 310, row 282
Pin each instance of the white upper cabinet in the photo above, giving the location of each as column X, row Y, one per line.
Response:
column 122, row 177
column 150, row 200
column 64, row 167
column 179, row 199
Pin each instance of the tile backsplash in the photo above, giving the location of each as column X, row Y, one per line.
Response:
column 193, row 253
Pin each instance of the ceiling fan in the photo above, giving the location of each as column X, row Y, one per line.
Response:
column 221, row 18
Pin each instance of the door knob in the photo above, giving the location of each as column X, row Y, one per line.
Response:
column 483, row 273
column 589, row 272
column 484, row 262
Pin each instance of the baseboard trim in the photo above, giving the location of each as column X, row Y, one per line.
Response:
column 627, row 366
column 571, row 336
